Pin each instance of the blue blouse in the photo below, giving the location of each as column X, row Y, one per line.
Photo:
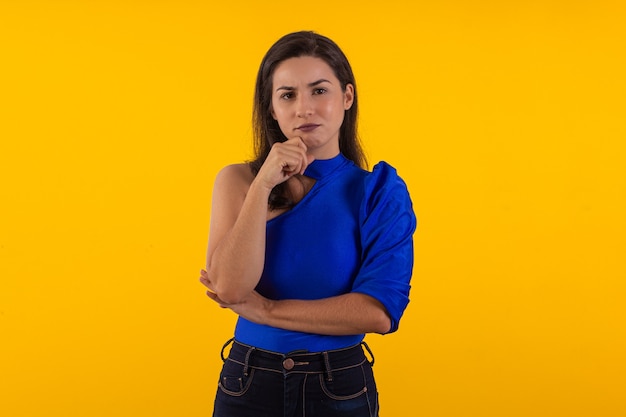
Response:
column 353, row 232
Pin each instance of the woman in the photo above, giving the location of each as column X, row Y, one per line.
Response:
column 308, row 248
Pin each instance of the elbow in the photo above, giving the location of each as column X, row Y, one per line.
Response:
column 379, row 320
column 382, row 322
column 230, row 294
column 223, row 286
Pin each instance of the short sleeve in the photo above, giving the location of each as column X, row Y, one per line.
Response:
column 387, row 224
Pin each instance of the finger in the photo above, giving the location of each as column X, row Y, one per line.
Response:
column 206, row 283
column 302, row 162
column 215, row 298
column 293, row 164
column 307, row 161
column 289, row 158
column 306, row 158
column 296, row 149
column 300, row 142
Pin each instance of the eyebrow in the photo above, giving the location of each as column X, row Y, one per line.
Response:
column 313, row 84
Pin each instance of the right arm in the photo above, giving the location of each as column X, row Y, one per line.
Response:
column 236, row 249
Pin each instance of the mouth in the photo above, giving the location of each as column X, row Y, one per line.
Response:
column 307, row 127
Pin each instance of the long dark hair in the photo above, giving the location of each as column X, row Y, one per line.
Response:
column 266, row 129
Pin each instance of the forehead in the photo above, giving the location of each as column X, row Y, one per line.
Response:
column 302, row 70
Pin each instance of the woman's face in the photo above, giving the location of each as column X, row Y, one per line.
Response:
column 308, row 102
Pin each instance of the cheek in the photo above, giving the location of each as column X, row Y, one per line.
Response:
column 279, row 117
column 334, row 110
column 278, row 111
column 282, row 120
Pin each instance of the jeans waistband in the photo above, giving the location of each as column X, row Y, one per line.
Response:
column 300, row 362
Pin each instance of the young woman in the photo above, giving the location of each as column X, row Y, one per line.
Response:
column 307, row 247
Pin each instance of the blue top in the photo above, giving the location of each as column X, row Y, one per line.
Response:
column 353, row 232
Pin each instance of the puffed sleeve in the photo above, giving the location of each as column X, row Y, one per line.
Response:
column 387, row 225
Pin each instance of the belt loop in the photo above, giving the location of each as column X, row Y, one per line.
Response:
column 224, row 347
column 246, row 364
column 369, row 351
column 329, row 374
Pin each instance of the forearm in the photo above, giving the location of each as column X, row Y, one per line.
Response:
column 235, row 267
column 351, row 313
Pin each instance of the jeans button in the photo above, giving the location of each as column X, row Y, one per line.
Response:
column 288, row 364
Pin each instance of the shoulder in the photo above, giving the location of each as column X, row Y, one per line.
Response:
column 234, row 175
column 383, row 171
column 232, row 183
column 383, row 184
column 241, row 172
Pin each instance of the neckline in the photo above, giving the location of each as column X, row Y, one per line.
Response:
column 321, row 168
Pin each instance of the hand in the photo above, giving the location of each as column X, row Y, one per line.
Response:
column 253, row 307
column 204, row 279
column 284, row 161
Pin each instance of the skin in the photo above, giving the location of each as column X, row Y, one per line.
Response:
column 309, row 106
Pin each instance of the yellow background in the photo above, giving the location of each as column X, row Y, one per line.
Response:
column 506, row 119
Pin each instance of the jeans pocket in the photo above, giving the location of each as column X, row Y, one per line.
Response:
column 345, row 384
column 233, row 381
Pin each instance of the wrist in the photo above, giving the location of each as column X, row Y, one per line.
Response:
column 268, row 309
column 258, row 185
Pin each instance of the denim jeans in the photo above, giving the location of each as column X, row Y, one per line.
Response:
column 258, row 383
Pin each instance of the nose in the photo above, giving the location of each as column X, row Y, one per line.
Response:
column 304, row 106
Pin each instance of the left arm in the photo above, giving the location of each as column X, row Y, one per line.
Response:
column 347, row 314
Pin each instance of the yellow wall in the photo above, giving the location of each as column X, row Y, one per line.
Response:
column 506, row 119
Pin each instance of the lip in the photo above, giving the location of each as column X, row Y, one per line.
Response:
column 307, row 127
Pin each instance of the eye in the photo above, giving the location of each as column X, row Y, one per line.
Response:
column 287, row 96
column 319, row 91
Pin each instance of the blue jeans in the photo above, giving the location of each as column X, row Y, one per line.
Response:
column 259, row 383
